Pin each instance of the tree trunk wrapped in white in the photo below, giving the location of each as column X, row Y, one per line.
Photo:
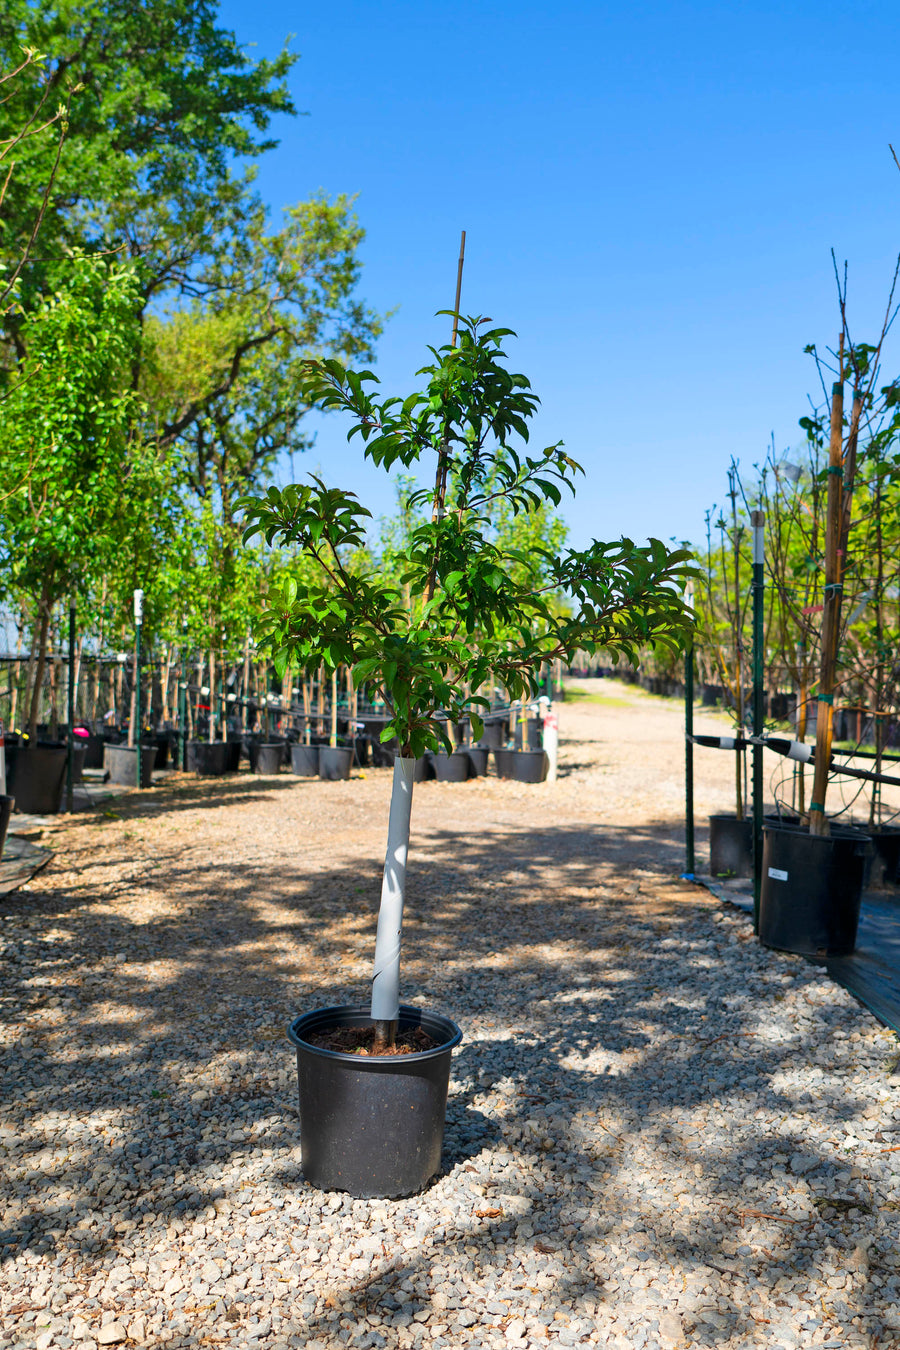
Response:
column 386, row 978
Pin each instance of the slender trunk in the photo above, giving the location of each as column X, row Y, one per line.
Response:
column 265, row 694
column 55, row 665
column 134, row 733
column 79, row 648
column 831, row 614
column 37, row 687
column 212, row 696
column 165, row 676
column 307, row 709
column 332, row 740
column 526, row 742
column 320, row 701
column 201, row 666
column 245, row 683
column 188, row 706
column 386, row 976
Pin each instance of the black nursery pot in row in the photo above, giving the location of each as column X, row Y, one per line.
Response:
column 811, row 888
column 36, row 774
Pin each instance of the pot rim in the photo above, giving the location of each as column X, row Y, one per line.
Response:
column 839, row 830
column 408, row 1015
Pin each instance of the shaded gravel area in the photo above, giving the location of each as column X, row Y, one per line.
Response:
column 659, row 1134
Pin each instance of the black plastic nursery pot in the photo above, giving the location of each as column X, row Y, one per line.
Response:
column 523, row 766
column 266, row 757
column 35, row 777
column 535, row 733
column 478, row 758
column 6, row 809
column 234, row 748
column 730, row 846
column 453, row 768
column 335, row 762
column 811, row 889
column 424, row 768
column 370, row 1125
column 209, row 758
column 882, row 863
column 94, row 746
column 120, row 761
column 493, row 736
column 305, row 760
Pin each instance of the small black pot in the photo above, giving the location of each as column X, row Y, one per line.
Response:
column 494, row 735
column 424, row 768
column 523, row 766
column 811, row 889
column 120, row 761
column 208, row 758
column 369, row 1125
column 94, row 745
column 335, row 762
column 882, row 863
column 453, row 768
column 478, row 758
column 35, row 776
column 266, row 757
column 234, row 750
column 6, row 808
column 535, row 733
column 730, row 846
column 305, row 760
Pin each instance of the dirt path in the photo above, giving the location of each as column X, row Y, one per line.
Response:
column 658, row 1133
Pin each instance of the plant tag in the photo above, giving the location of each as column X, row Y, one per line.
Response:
column 777, row 875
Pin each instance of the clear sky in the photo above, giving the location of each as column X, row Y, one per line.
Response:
column 650, row 192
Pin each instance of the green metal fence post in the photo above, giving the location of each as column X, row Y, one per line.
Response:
column 757, row 521
column 70, row 738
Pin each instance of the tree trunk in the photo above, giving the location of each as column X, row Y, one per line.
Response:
column 332, row 740
column 245, row 683
column 831, row 615
column 212, row 696
column 36, row 690
column 386, row 976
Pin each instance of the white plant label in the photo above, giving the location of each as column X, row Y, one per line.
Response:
column 777, row 875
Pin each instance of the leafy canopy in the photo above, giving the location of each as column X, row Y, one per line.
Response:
column 479, row 608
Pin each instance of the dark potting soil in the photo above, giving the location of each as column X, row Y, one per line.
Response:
column 361, row 1041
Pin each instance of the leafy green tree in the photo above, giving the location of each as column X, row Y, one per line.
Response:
column 479, row 609
column 74, row 471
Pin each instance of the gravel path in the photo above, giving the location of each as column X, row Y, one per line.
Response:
column 658, row 1133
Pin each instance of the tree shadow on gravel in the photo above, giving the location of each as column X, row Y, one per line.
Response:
column 146, row 1058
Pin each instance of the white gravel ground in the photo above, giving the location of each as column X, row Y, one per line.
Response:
column 659, row 1134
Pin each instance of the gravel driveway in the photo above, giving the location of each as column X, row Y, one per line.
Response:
column 658, row 1134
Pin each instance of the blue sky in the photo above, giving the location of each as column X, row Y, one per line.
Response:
column 650, row 193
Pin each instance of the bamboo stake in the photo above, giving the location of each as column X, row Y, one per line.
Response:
column 443, row 464
column 332, row 740
column 831, row 613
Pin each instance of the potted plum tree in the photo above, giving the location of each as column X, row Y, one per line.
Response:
column 456, row 615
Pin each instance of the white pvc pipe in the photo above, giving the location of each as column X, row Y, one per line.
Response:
column 551, row 740
column 386, row 979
